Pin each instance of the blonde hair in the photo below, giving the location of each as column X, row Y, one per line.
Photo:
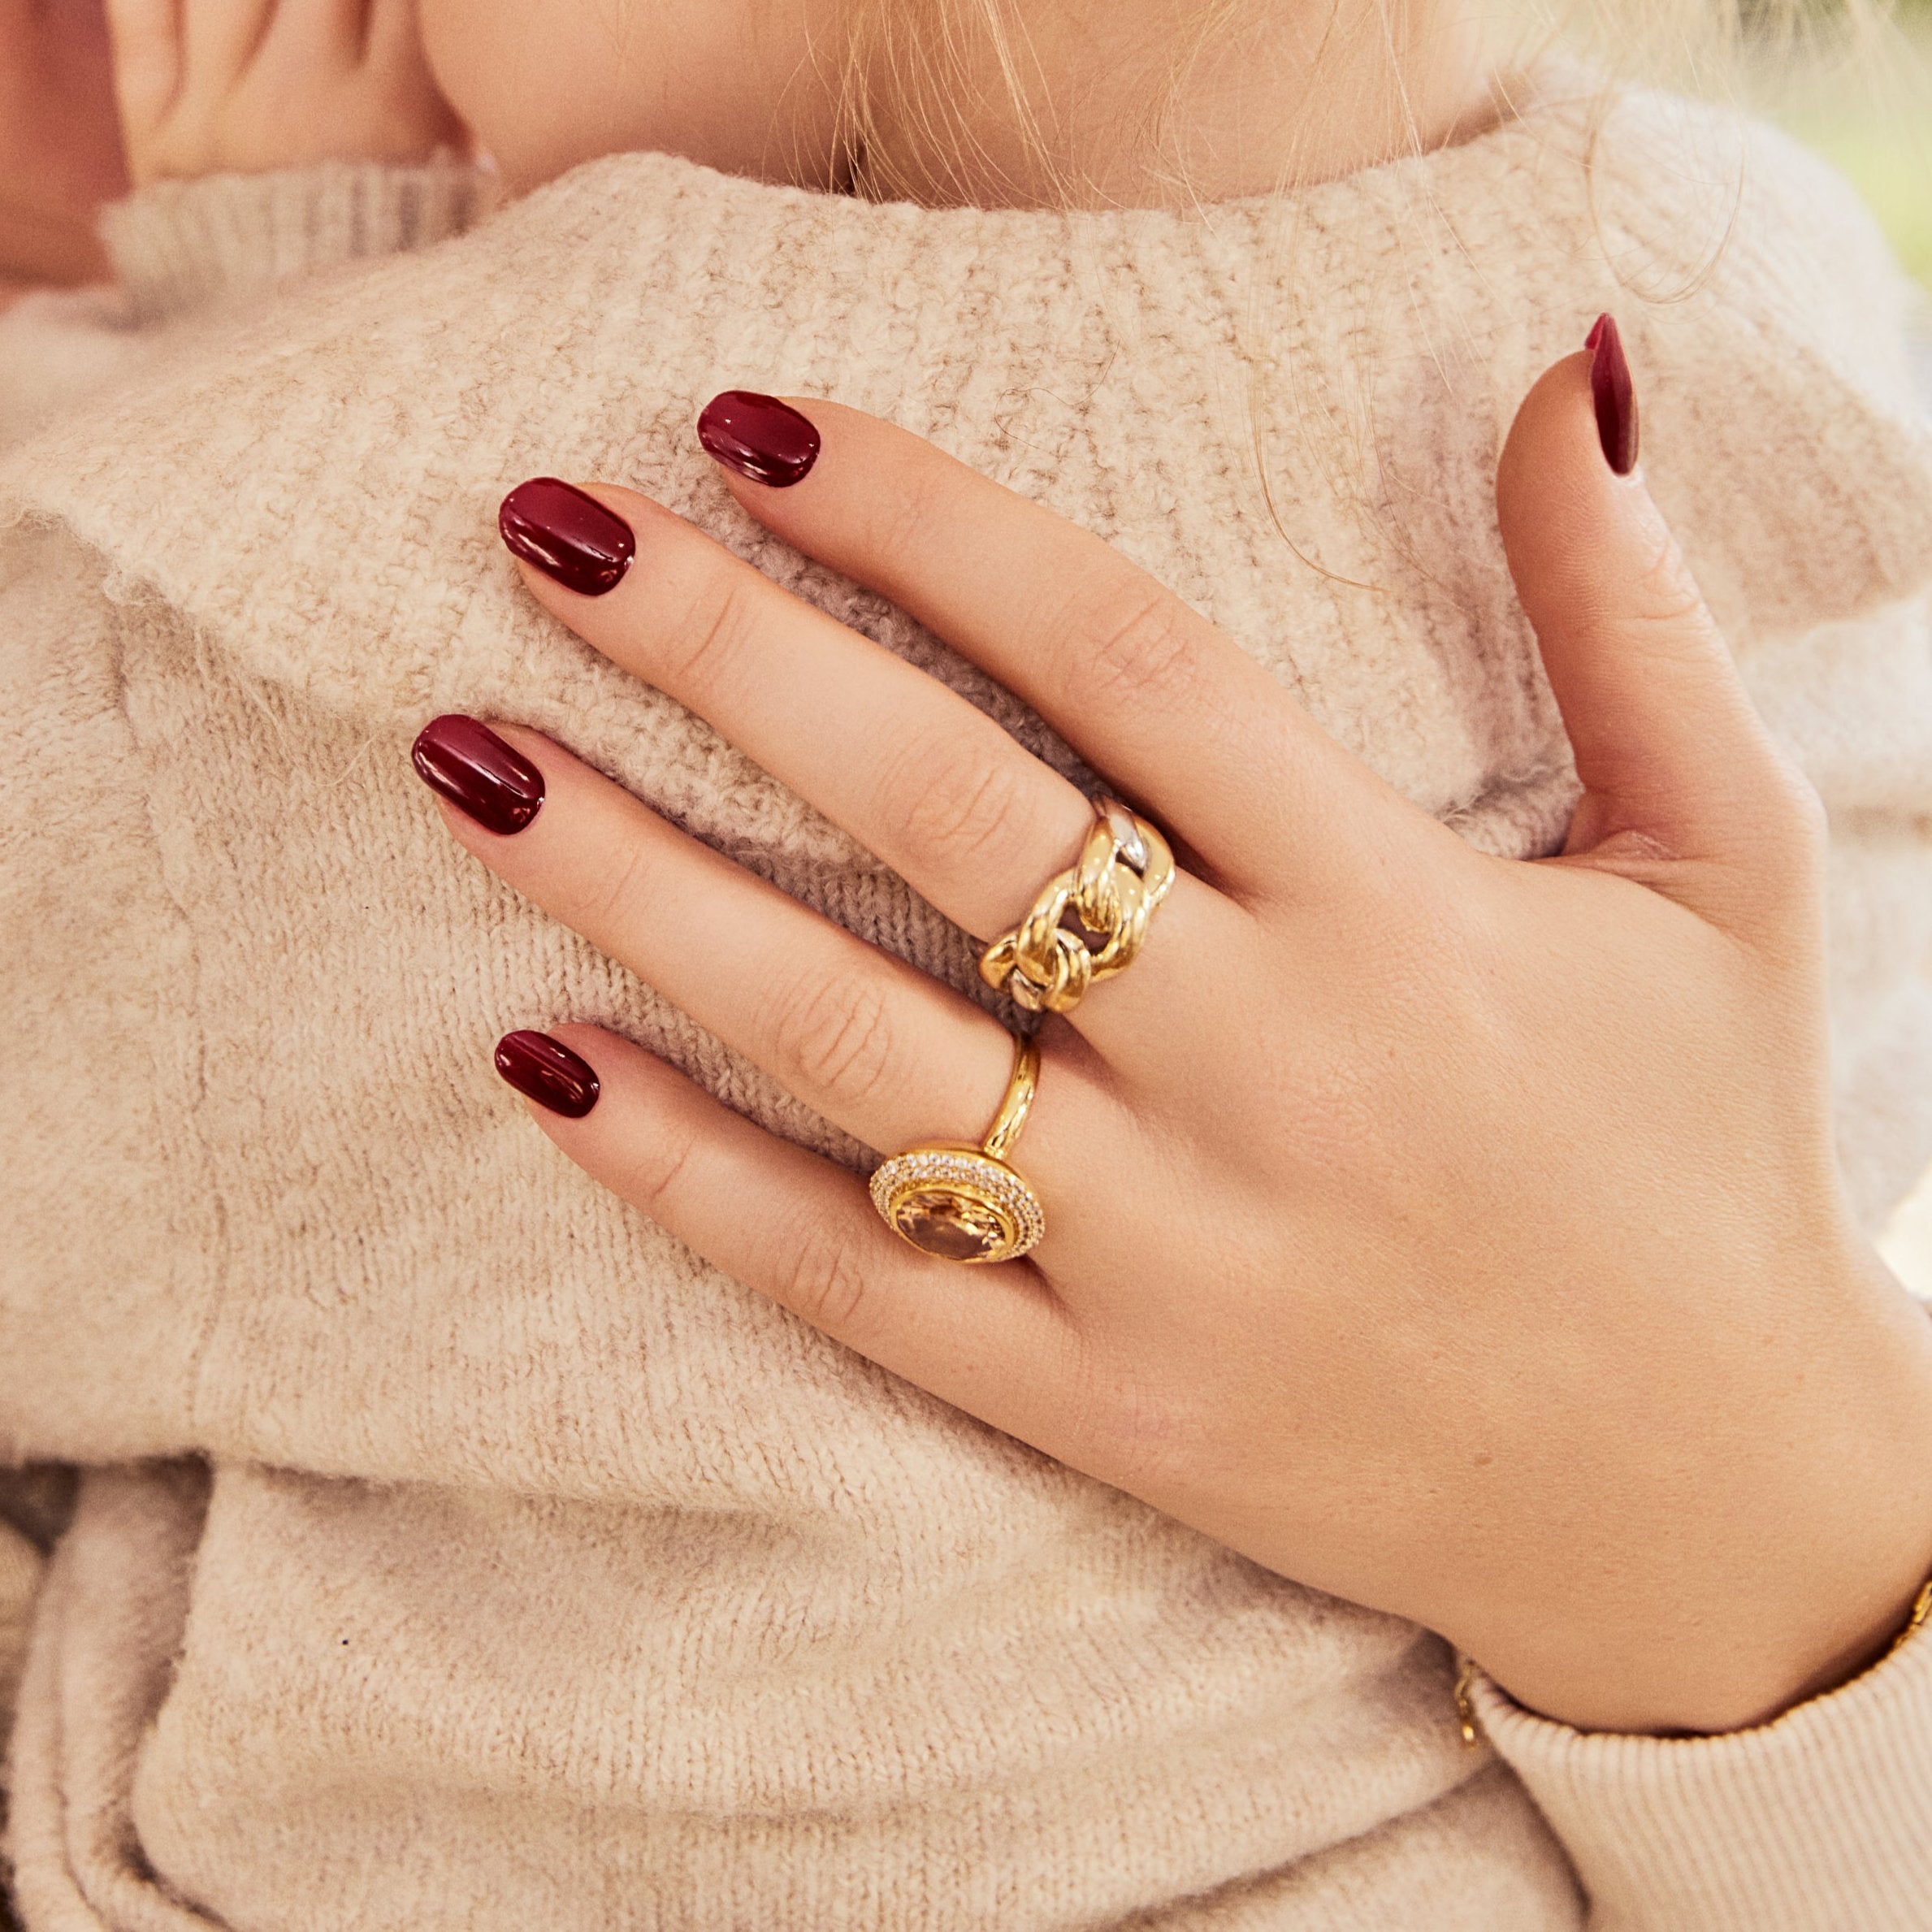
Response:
column 917, row 76
column 921, row 68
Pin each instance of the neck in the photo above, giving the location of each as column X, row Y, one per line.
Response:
column 1140, row 103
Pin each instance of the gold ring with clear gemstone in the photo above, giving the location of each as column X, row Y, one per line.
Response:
column 963, row 1203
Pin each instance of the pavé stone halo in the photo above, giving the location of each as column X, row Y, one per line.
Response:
column 965, row 1204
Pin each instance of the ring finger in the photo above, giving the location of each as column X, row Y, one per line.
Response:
column 875, row 1046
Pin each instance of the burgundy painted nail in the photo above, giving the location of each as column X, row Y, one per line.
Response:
column 567, row 536
column 1615, row 396
column 479, row 774
column 759, row 437
column 547, row 1071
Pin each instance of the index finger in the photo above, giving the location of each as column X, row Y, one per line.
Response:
column 1149, row 692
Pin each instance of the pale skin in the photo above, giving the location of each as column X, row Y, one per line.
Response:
column 1459, row 1236
column 212, row 87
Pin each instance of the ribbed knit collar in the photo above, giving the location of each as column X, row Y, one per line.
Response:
column 1288, row 408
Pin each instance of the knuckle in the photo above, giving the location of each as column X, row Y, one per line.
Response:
column 823, row 1280
column 832, row 1036
column 1130, row 1420
column 657, row 1171
column 905, row 516
column 1661, row 615
column 616, row 897
column 1811, row 822
column 1134, row 648
column 705, row 632
column 1664, row 594
column 962, row 802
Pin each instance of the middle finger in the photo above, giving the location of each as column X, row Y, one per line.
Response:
column 969, row 817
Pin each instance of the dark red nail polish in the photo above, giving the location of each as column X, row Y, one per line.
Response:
column 567, row 536
column 759, row 437
column 547, row 1071
column 1615, row 396
column 479, row 774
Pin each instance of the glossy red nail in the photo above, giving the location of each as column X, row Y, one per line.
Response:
column 567, row 534
column 759, row 437
column 479, row 774
column 1614, row 395
column 547, row 1071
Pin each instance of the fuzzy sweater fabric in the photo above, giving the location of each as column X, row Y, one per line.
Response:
column 182, row 250
column 456, row 1549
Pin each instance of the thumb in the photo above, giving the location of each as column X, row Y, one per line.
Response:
column 1675, row 763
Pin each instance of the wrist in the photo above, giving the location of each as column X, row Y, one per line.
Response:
column 1683, row 1696
column 1741, row 1689
column 1795, row 1582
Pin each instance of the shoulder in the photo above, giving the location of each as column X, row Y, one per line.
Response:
column 58, row 350
column 1698, row 200
column 1771, row 327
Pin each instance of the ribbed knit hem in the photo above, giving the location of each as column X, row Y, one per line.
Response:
column 1821, row 1821
column 178, row 244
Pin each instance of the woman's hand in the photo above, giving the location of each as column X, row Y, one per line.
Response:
column 210, row 87
column 1457, row 1236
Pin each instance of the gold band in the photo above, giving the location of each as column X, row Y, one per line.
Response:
column 965, row 1204
column 1125, row 870
column 1019, row 1101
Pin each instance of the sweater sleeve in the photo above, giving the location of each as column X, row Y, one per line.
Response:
column 1820, row 1821
column 181, row 245
column 181, row 249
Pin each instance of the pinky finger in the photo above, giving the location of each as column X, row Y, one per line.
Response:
column 994, row 1341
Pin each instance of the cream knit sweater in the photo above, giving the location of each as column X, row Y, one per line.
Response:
column 460, row 1551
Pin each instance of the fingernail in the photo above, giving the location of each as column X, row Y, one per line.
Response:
column 545, row 1071
column 567, row 536
column 479, row 774
column 759, row 437
column 1615, row 397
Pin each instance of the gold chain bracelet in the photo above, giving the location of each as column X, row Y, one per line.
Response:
column 1466, row 1703
column 1922, row 1609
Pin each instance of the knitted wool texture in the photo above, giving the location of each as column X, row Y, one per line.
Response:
column 542, row 1576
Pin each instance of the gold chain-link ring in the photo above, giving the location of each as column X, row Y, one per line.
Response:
column 1046, row 963
column 965, row 1203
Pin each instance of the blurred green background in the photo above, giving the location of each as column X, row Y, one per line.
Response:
column 1877, row 126
column 1873, row 119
